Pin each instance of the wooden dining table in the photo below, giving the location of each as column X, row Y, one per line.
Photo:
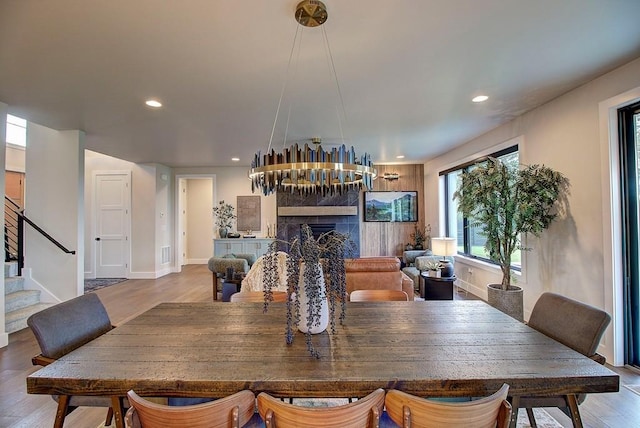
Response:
column 433, row 348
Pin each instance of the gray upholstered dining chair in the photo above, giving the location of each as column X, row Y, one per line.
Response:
column 62, row 328
column 576, row 325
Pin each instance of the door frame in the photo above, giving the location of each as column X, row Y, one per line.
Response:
column 179, row 206
column 613, row 339
column 94, row 220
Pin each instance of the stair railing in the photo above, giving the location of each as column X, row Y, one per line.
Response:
column 14, row 233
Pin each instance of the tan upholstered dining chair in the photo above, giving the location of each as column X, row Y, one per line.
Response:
column 233, row 411
column 364, row 413
column 258, row 296
column 576, row 325
column 407, row 410
column 378, row 296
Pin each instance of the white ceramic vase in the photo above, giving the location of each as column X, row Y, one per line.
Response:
column 304, row 304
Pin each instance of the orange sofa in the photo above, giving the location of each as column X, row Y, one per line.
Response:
column 376, row 273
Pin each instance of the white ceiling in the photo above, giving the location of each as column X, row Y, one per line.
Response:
column 407, row 70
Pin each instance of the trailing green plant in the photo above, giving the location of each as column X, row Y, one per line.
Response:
column 433, row 265
column 322, row 257
column 224, row 214
column 507, row 201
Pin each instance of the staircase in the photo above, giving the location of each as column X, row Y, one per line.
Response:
column 19, row 303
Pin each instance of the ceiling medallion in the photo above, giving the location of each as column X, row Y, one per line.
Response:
column 305, row 169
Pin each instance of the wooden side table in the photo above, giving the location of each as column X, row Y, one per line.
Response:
column 436, row 288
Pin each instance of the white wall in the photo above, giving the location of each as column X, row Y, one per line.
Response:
column 232, row 182
column 563, row 134
column 57, row 206
column 151, row 198
column 4, row 336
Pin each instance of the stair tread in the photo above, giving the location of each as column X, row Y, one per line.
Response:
column 20, row 293
column 13, row 284
column 10, row 269
column 17, row 320
column 26, row 311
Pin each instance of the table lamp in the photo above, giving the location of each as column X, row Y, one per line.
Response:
column 445, row 247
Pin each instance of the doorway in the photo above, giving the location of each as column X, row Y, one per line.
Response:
column 194, row 219
column 629, row 137
column 112, row 223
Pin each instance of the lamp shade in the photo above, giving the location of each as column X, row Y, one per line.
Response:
column 444, row 246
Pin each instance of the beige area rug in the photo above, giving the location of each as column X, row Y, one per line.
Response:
column 543, row 419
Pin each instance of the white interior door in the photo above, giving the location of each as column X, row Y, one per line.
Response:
column 113, row 199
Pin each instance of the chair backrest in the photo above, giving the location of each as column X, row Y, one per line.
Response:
column 378, row 295
column 232, row 411
column 488, row 412
column 359, row 414
column 572, row 323
column 258, row 296
column 254, row 280
column 68, row 325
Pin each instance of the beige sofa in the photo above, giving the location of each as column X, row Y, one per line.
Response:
column 377, row 273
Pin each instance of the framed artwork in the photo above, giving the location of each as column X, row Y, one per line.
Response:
column 391, row 206
column 248, row 213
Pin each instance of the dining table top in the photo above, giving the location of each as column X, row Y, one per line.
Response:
column 214, row 349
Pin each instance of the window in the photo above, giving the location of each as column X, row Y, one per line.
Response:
column 16, row 131
column 468, row 235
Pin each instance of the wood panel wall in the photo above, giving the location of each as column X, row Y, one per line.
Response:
column 389, row 239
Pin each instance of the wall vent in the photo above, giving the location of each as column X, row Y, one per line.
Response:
column 166, row 255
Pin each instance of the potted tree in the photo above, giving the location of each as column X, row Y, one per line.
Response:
column 507, row 201
column 224, row 214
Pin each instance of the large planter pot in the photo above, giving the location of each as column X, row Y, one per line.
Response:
column 508, row 301
column 320, row 288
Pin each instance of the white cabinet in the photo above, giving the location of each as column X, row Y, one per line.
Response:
column 257, row 246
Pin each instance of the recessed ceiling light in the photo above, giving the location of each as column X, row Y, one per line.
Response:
column 400, row 157
column 480, row 98
column 235, row 159
column 153, row 103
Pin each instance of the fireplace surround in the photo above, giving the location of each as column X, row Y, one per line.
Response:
column 289, row 226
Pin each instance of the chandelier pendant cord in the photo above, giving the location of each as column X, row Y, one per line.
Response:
column 332, row 69
column 295, row 72
column 284, row 86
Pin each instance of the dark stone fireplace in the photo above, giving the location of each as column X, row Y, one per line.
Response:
column 289, row 225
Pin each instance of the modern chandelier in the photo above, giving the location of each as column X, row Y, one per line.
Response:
column 306, row 169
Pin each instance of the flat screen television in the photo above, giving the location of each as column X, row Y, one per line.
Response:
column 387, row 206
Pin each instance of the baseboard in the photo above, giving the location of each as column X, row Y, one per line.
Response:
column 4, row 339
column 197, row 261
column 152, row 275
column 471, row 288
column 46, row 296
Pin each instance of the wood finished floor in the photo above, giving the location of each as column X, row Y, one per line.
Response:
column 130, row 298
